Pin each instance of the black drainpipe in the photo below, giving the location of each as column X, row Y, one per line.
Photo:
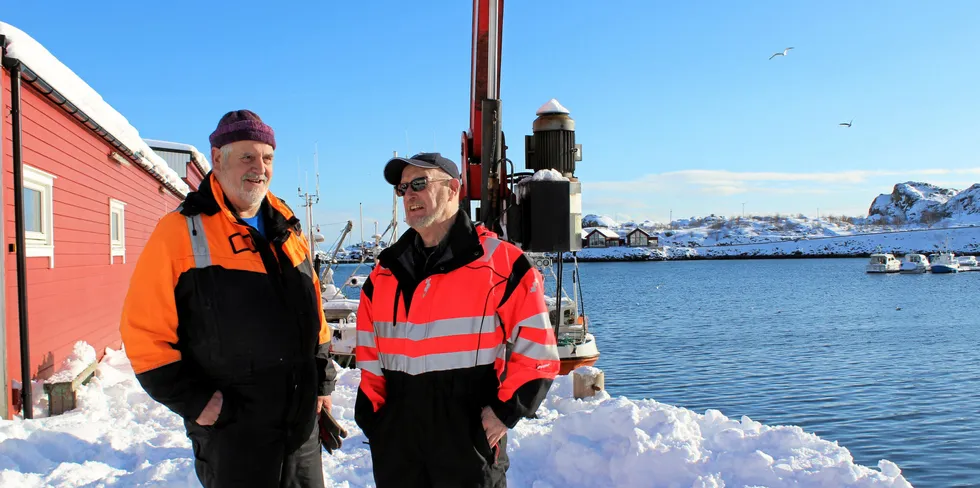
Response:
column 27, row 404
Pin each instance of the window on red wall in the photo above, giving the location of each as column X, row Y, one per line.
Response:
column 117, row 229
column 39, row 214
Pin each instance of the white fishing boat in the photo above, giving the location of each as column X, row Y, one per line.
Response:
column 915, row 263
column 968, row 263
column 945, row 262
column 883, row 263
column 576, row 345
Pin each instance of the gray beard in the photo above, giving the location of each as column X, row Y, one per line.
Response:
column 253, row 197
column 422, row 222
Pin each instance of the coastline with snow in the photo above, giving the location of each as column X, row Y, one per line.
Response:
column 960, row 240
column 915, row 218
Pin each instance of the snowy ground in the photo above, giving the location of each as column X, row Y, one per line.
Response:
column 118, row 436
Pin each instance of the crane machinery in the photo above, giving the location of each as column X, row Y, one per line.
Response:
column 540, row 209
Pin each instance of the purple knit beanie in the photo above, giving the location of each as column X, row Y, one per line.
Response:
column 242, row 125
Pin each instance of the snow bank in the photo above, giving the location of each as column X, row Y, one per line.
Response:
column 81, row 357
column 120, row 437
column 23, row 47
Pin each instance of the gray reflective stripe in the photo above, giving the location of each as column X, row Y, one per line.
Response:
column 534, row 350
column 489, row 246
column 199, row 241
column 436, row 328
column 439, row 362
column 373, row 367
column 505, row 356
column 539, row 321
column 365, row 339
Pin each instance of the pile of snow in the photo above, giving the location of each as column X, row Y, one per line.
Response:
column 199, row 157
column 551, row 107
column 923, row 202
column 547, row 175
column 81, row 357
column 592, row 220
column 118, row 436
column 24, row 48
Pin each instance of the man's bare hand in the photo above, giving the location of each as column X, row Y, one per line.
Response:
column 211, row 411
column 494, row 428
column 323, row 402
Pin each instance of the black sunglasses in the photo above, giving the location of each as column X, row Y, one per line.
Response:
column 418, row 184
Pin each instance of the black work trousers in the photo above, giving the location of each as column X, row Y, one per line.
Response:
column 243, row 455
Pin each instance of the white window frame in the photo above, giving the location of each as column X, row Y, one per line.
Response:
column 41, row 244
column 117, row 247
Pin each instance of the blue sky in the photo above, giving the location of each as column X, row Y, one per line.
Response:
column 676, row 104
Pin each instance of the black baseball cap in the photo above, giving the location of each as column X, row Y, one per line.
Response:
column 393, row 170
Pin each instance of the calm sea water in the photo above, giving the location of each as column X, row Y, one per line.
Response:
column 887, row 365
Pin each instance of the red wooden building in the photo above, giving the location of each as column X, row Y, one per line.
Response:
column 189, row 164
column 92, row 192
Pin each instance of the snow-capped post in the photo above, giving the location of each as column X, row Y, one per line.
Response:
column 587, row 381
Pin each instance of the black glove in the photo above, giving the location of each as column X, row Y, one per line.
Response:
column 331, row 432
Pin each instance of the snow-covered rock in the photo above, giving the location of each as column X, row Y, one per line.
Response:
column 592, row 220
column 912, row 201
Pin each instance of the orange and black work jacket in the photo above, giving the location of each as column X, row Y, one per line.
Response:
column 452, row 330
column 213, row 305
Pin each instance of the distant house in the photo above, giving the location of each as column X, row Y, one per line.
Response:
column 641, row 238
column 92, row 193
column 189, row 164
column 602, row 237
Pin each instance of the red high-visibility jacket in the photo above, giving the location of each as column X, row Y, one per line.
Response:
column 467, row 327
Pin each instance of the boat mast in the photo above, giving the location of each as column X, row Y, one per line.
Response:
column 310, row 199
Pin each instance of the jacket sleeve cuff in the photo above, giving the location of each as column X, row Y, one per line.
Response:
column 326, row 370
column 196, row 402
column 506, row 412
column 326, row 387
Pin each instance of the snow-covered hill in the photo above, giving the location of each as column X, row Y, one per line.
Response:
column 923, row 203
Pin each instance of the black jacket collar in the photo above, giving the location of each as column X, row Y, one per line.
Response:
column 204, row 201
column 460, row 247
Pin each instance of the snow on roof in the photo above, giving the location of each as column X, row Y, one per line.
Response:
column 199, row 158
column 31, row 53
column 599, row 221
column 606, row 232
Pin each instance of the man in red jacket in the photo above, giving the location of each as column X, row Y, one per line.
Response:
column 454, row 342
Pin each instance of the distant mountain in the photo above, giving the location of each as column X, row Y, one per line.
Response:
column 924, row 203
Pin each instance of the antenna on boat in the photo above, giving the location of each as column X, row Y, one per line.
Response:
column 311, row 198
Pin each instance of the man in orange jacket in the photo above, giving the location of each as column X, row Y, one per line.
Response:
column 223, row 321
column 454, row 342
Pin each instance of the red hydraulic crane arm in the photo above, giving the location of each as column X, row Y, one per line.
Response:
column 488, row 16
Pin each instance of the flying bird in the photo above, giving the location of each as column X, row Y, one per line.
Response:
column 785, row 51
column 846, row 124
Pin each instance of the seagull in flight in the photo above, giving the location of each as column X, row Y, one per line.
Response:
column 785, row 51
column 846, row 124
